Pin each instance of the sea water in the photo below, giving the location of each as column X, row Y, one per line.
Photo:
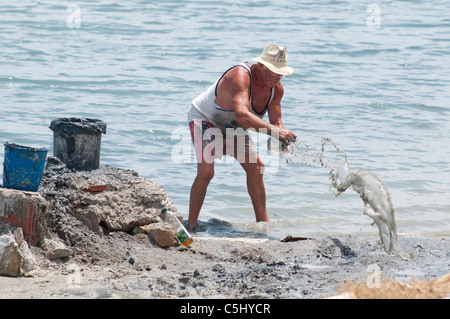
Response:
column 372, row 76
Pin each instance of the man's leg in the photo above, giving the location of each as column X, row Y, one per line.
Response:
column 205, row 168
column 255, row 187
column 241, row 147
column 205, row 172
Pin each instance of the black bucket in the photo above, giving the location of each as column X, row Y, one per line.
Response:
column 77, row 142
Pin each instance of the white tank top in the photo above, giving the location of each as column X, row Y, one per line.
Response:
column 219, row 117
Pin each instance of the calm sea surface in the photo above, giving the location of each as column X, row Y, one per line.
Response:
column 372, row 75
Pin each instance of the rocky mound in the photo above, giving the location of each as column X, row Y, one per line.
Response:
column 101, row 201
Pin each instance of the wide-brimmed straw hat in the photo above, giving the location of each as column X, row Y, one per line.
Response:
column 274, row 57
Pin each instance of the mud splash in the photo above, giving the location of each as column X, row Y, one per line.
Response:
column 377, row 202
column 374, row 193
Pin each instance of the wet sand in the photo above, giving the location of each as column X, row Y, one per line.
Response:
column 125, row 266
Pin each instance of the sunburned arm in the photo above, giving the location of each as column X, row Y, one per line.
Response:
column 240, row 97
column 275, row 117
column 275, row 107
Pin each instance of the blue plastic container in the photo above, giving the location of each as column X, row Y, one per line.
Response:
column 23, row 167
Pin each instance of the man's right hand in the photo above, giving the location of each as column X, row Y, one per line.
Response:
column 285, row 136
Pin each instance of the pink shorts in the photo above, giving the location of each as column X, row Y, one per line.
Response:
column 198, row 130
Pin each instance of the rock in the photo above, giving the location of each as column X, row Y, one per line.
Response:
column 55, row 249
column 28, row 261
column 161, row 234
column 16, row 257
column 10, row 257
column 55, row 163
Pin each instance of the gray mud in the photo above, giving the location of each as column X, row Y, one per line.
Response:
column 108, row 261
